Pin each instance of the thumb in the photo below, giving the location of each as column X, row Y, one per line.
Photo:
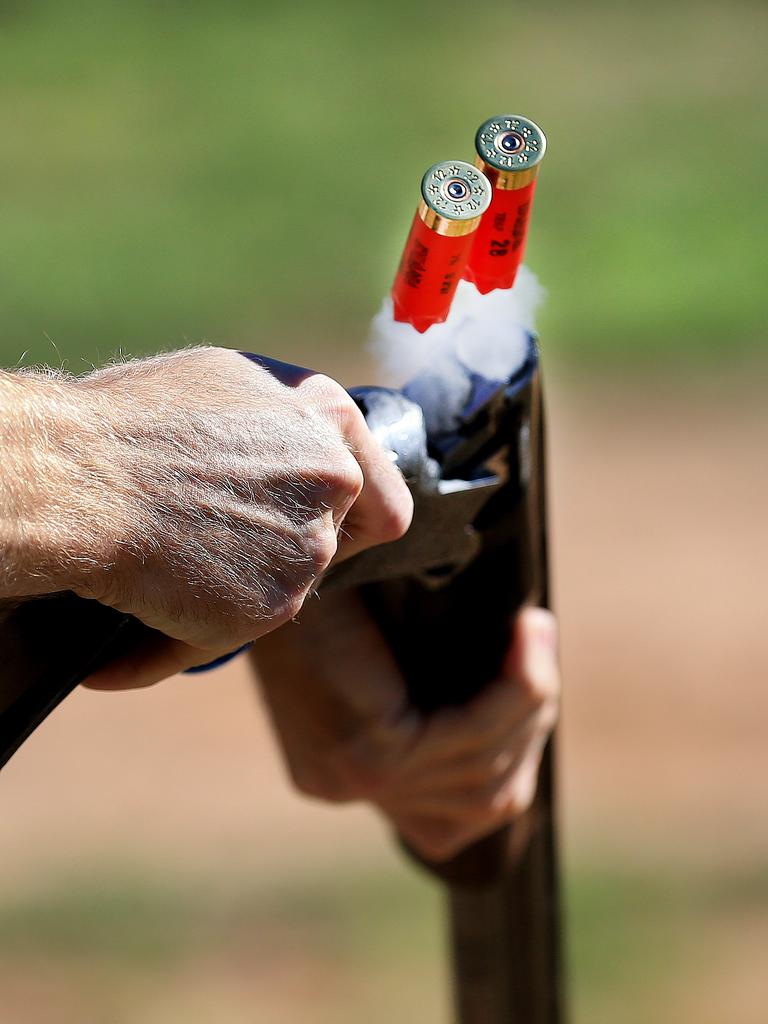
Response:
column 153, row 659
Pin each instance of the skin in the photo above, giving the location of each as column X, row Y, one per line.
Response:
column 202, row 492
column 206, row 494
column 339, row 708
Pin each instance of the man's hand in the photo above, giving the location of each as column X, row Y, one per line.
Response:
column 340, row 709
column 202, row 492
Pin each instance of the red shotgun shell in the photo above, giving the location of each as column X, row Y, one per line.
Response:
column 509, row 151
column 455, row 195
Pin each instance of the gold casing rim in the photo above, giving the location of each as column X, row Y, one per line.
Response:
column 444, row 225
column 507, row 181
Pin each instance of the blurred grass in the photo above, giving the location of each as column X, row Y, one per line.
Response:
column 374, row 937
column 245, row 174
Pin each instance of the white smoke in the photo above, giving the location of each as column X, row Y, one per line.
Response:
column 486, row 334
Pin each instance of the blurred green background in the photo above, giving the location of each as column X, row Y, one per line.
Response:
column 244, row 174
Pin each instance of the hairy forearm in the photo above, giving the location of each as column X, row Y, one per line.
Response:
column 56, row 509
column 30, row 473
column 104, row 474
column 199, row 491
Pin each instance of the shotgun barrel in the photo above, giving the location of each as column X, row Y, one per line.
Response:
column 445, row 596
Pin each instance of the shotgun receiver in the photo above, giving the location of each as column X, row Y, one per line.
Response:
column 444, row 596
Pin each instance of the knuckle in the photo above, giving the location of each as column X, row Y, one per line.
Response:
column 330, row 398
column 498, row 767
column 333, row 411
column 548, row 716
column 320, row 547
column 515, row 805
column 323, row 386
column 395, row 517
column 344, row 479
column 290, row 606
column 541, row 686
column 343, row 407
column 518, row 797
column 339, row 475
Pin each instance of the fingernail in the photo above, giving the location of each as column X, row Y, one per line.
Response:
column 546, row 639
column 542, row 656
column 544, row 630
column 535, row 647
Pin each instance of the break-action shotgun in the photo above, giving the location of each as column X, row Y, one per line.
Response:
column 444, row 595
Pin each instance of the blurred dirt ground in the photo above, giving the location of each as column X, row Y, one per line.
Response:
column 659, row 512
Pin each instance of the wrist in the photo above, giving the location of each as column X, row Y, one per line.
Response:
column 42, row 438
